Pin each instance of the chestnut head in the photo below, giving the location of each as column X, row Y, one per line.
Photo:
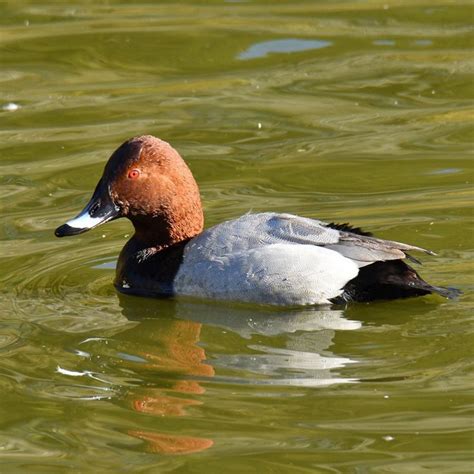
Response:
column 147, row 181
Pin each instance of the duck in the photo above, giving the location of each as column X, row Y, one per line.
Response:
column 265, row 258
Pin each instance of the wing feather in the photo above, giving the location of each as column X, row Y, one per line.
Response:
column 363, row 249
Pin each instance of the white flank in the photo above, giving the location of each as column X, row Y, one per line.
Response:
column 281, row 274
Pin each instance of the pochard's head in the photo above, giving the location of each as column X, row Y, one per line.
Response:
column 147, row 181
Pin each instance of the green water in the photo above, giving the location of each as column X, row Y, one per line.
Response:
column 341, row 110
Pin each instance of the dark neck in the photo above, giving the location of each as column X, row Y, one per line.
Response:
column 150, row 259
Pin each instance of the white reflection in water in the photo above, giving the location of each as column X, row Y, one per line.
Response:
column 309, row 333
column 289, row 45
column 247, row 322
column 384, row 42
column 109, row 265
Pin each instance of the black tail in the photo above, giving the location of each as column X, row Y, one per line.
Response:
column 389, row 280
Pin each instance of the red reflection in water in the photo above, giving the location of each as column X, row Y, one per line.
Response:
column 177, row 352
column 169, row 444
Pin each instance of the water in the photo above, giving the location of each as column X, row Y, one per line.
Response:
column 345, row 111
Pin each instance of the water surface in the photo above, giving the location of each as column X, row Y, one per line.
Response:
column 345, row 111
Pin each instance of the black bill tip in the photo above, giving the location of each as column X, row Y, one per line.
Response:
column 66, row 230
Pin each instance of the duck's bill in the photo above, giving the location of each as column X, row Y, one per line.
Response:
column 98, row 211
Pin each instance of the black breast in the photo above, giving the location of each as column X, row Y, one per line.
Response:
column 148, row 272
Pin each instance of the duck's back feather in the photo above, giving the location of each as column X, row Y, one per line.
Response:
column 256, row 230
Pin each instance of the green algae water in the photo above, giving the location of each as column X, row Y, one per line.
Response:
column 346, row 111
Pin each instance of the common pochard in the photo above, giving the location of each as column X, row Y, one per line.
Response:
column 267, row 258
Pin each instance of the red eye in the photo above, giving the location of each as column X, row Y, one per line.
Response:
column 134, row 174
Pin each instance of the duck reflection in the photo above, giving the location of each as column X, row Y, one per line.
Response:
column 169, row 337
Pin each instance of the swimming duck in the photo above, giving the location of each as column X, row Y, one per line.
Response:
column 268, row 258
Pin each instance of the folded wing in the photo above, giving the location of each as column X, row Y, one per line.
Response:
column 362, row 249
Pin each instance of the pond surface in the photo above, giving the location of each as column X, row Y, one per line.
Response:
column 347, row 111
